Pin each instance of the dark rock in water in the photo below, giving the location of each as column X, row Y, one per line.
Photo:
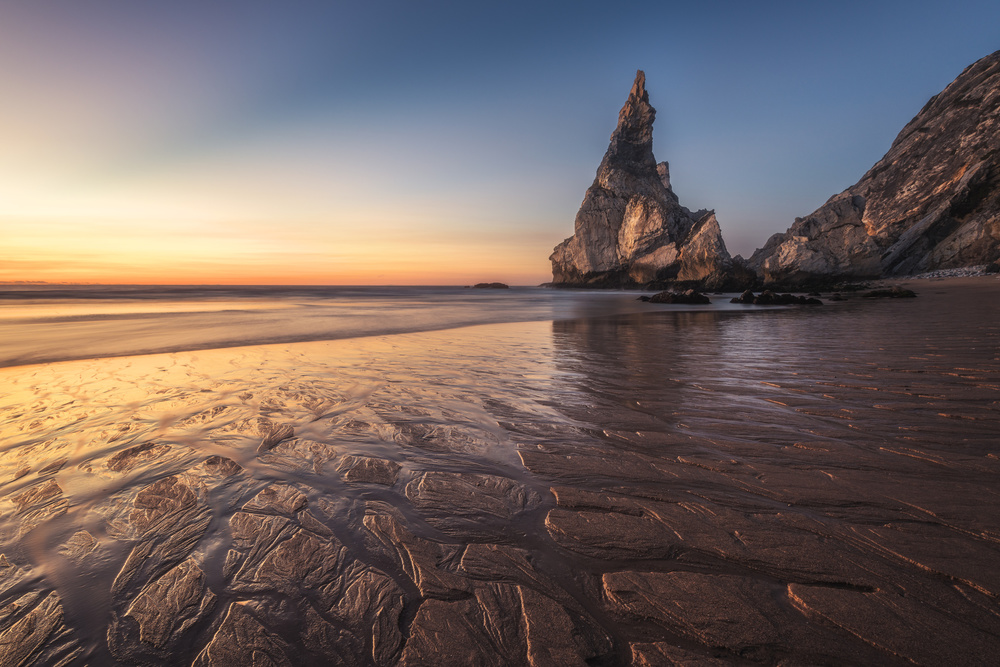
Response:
column 631, row 230
column 931, row 203
column 490, row 286
column 690, row 297
column 769, row 298
column 644, row 298
column 894, row 292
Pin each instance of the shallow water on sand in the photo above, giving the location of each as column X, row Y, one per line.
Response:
column 813, row 485
column 43, row 323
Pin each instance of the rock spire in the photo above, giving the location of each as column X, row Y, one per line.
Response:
column 631, row 229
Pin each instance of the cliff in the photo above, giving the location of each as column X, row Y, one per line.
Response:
column 631, row 230
column 933, row 201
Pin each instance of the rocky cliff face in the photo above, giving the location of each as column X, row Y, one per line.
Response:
column 631, row 230
column 933, row 201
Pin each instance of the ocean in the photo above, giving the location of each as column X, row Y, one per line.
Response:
column 44, row 323
column 526, row 476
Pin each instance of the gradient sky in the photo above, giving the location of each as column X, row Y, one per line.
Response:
column 429, row 142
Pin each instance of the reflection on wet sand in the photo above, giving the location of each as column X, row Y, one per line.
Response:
column 807, row 485
column 656, row 488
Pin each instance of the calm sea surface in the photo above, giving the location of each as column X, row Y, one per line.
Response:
column 56, row 323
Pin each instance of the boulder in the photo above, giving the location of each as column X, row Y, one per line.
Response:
column 894, row 292
column 688, row 297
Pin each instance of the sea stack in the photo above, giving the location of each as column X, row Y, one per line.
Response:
column 933, row 201
column 631, row 230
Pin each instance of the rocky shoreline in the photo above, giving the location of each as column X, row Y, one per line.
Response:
column 928, row 206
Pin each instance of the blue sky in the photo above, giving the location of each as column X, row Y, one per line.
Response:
column 435, row 142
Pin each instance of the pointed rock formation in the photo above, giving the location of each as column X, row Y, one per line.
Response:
column 631, row 230
column 933, row 201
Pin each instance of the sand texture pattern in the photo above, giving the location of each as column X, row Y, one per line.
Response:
column 798, row 486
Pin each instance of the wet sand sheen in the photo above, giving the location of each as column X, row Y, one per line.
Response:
column 806, row 485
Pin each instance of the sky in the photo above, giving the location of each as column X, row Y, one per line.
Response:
column 396, row 142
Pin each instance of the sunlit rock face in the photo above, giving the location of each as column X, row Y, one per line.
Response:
column 631, row 230
column 933, row 201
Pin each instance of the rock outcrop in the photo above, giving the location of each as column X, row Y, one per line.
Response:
column 933, row 201
column 631, row 229
column 687, row 297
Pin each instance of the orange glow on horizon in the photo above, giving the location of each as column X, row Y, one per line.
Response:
column 456, row 278
column 178, row 254
column 273, row 275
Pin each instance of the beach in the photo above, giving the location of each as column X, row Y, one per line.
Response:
column 458, row 478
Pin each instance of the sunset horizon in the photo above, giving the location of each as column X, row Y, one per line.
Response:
column 522, row 334
column 209, row 145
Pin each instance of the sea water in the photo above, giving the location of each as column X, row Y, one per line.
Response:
column 59, row 322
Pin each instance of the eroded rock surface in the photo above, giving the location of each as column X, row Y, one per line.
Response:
column 498, row 624
column 931, row 203
column 32, row 625
column 366, row 469
column 243, row 640
column 161, row 615
column 79, row 546
column 126, row 459
column 295, row 565
column 37, row 637
column 630, row 229
column 468, row 503
column 425, row 562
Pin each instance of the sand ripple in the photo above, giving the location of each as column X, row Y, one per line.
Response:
column 691, row 488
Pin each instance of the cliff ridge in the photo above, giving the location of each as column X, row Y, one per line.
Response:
column 932, row 202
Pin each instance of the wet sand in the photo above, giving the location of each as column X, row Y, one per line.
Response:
column 809, row 486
